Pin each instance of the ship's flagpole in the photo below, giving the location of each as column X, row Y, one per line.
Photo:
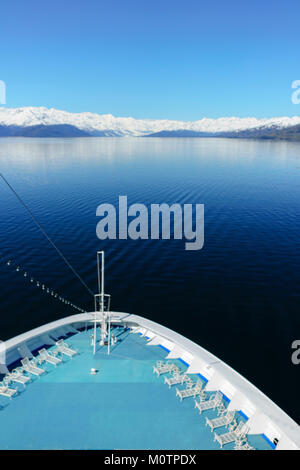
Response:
column 100, row 293
column 108, row 347
column 102, row 282
column 95, row 327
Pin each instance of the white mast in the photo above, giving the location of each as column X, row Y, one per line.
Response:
column 101, row 294
column 105, row 329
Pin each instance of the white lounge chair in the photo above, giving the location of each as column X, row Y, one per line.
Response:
column 192, row 390
column 63, row 348
column 245, row 446
column 31, row 367
column 44, row 355
column 224, row 420
column 177, row 379
column 16, row 376
column 234, row 435
column 160, row 363
column 5, row 391
column 221, row 409
column 165, row 368
column 210, row 404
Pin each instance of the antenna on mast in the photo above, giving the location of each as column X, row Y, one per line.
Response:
column 99, row 303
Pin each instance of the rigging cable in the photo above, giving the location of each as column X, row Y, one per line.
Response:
column 46, row 235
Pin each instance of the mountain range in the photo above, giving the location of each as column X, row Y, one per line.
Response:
column 45, row 122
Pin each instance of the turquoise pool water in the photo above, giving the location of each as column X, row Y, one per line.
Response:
column 123, row 406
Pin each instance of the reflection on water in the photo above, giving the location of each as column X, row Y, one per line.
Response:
column 238, row 296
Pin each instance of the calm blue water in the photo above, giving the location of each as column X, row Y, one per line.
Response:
column 238, row 297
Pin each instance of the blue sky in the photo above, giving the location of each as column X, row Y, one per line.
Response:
column 152, row 59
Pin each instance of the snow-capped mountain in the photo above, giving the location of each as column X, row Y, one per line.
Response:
column 107, row 124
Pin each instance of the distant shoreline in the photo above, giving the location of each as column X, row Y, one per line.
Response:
column 291, row 134
column 45, row 122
